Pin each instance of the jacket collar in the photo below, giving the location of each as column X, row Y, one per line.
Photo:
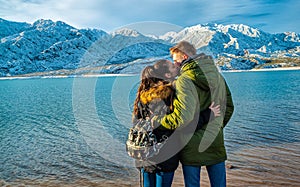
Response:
column 193, row 61
column 159, row 92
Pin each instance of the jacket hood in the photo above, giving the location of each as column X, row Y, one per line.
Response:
column 197, row 57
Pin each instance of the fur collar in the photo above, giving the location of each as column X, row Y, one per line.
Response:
column 159, row 92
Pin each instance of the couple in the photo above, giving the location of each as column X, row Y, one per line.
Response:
column 191, row 111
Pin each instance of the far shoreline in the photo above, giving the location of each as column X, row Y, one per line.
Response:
column 133, row 74
column 65, row 76
column 264, row 69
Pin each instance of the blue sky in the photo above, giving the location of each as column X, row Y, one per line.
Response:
column 272, row 16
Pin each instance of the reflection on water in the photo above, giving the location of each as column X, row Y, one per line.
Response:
column 42, row 144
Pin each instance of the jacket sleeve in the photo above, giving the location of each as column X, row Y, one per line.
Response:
column 229, row 106
column 184, row 105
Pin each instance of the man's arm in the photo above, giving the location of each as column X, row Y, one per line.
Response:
column 184, row 105
column 229, row 106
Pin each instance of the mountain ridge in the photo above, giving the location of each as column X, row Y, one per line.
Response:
column 48, row 46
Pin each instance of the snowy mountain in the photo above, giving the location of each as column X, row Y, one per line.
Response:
column 8, row 28
column 47, row 47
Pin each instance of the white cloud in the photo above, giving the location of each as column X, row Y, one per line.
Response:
column 109, row 15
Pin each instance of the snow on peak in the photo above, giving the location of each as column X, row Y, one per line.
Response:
column 263, row 49
column 292, row 36
column 126, row 32
column 42, row 24
column 198, row 35
column 168, row 36
column 233, row 42
column 197, row 28
column 244, row 29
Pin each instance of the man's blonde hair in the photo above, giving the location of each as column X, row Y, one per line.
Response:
column 185, row 48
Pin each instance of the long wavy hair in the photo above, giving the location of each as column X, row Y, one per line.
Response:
column 152, row 76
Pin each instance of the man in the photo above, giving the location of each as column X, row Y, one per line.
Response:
column 197, row 86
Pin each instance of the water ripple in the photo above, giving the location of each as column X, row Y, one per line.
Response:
column 42, row 145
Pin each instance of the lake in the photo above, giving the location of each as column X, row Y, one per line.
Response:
column 72, row 131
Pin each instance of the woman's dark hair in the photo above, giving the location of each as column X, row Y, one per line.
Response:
column 152, row 76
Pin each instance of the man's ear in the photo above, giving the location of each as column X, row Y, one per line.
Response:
column 185, row 57
column 168, row 75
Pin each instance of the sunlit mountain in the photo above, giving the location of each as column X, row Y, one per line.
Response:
column 56, row 48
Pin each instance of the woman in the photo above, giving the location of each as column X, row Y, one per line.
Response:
column 155, row 97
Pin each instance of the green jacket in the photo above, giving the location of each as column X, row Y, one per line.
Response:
column 198, row 84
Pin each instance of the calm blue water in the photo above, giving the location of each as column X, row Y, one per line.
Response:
column 74, row 129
